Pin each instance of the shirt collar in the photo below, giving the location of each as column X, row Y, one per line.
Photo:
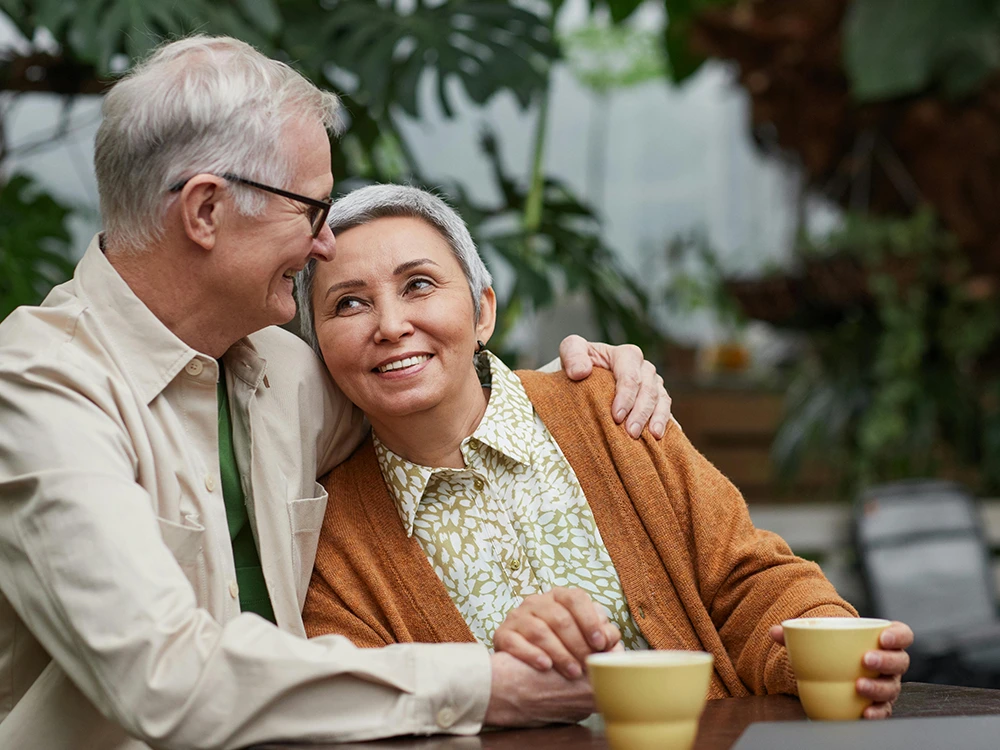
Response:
column 407, row 482
column 152, row 354
column 506, row 427
column 508, row 424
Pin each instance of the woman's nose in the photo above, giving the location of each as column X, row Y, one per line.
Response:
column 393, row 322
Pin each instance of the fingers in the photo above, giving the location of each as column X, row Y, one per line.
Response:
column 897, row 636
column 587, row 616
column 878, row 711
column 567, row 657
column 626, row 364
column 661, row 412
column 575, row 355
column 613, row 638
column 645, row 399
column 563, row 624
column 520, row 696
column 879, row 689
column 890, row 663
column 519, row 647
column 639, row 393
column 777, row 634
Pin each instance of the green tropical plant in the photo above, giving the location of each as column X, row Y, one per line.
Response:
column 902, row 385
column 35, row 251
column 375, row 54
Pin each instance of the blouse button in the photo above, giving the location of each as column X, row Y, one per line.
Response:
column 478, row 484
column 515, row 565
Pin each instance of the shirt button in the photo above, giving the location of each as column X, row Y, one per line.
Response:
column 478, row 484
column 446, row 717
column 194, row 368
column 234, row 589
column 515, row 565
column 210, row 483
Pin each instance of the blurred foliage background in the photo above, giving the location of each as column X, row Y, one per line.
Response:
column 890, row 109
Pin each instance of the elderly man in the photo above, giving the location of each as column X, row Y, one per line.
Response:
column 160, row 441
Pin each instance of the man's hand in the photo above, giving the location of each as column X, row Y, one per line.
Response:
column 523, row 697
column 639, row 391
column 558, row 628
column 891, row 661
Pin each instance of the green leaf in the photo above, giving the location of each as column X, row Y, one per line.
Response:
column 681, row 15
column 34, row 243
column 487, row 45
column 896, row 48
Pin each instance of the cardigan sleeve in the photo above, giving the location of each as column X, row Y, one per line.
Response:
column 748, row 578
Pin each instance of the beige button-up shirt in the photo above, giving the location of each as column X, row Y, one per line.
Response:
column 119, row 610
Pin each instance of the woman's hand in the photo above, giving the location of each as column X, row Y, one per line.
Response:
column 891, row 662
column 559, row 628
column 639, row 391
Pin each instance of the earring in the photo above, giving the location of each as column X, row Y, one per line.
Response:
column 482, row 363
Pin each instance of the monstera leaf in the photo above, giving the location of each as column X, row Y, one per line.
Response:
column 486, row 45
column 96, row 31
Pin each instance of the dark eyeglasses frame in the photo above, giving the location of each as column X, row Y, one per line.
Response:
column 316, row 220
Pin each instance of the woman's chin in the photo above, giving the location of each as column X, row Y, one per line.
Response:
column 400, row 406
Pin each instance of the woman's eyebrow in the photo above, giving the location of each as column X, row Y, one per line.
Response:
column 351, row 284
column 411, row 264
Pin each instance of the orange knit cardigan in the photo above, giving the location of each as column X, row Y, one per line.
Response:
column 695, row 572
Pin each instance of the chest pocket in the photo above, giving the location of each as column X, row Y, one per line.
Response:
column 186, row 544
column 305, row 517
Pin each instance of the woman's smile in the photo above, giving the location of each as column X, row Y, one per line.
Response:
column 403, row 366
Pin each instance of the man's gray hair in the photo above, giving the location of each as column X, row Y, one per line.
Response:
column 199, row 104
column 367, row 204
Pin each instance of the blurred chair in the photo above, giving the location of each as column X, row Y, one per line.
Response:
column 924, row 560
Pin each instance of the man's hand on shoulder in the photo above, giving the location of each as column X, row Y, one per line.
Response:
column 639, row 393
column 524, row 697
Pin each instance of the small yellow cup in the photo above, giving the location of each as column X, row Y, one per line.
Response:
column 650, row 700
column 826, row 654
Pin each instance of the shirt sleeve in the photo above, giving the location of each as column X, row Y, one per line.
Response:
column 84, row 565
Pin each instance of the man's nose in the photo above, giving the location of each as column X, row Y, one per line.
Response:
column 324, row 244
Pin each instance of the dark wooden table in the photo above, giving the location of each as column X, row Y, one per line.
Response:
column 721, row 724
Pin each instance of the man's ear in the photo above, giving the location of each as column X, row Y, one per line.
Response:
column 487, row 315
column 201, row 209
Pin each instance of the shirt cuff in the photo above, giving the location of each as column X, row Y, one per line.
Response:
column 453, row 688
column 553, row 366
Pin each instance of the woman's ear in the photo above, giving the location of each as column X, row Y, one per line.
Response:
column 487, row 315
column 200, row 207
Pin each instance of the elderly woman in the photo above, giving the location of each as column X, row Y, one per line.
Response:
column 481, row 487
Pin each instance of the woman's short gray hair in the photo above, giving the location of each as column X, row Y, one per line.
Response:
column 367, row 204
column 199, row 104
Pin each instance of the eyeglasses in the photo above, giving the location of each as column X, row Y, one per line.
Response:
column 318, row 210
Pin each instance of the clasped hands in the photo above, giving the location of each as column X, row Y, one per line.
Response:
column 553, row 633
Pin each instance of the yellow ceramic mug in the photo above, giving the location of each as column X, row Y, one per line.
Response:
column 650, row 699
column 826, row 654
